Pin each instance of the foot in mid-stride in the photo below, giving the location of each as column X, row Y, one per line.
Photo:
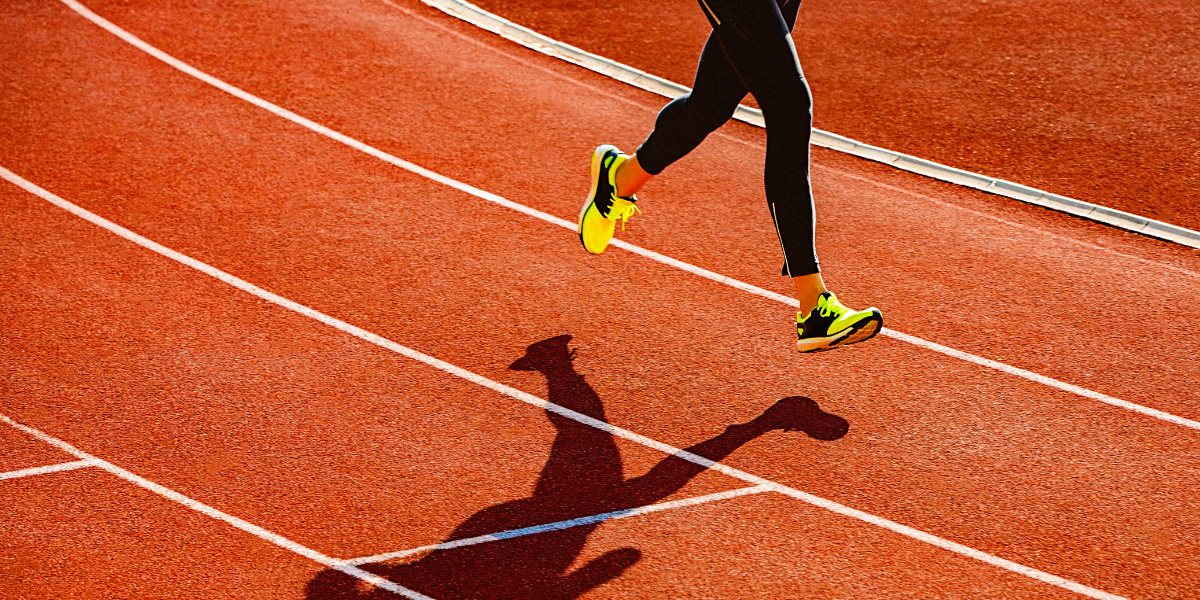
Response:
column 831, row 325
column 598, row 219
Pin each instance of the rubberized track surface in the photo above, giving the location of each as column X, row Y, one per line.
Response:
column 349, row 449
column 1092, row 100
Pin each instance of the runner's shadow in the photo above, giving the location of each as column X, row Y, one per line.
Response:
column 582, row 477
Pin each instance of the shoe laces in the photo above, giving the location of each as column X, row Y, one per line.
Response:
column 832, row 307
column 623, row 210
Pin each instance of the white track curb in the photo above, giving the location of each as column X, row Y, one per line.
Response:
column 536, row 41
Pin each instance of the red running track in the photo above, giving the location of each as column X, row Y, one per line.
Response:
column 349, row 449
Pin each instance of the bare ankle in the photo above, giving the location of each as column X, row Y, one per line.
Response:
column 630, row 177
column 808, row 291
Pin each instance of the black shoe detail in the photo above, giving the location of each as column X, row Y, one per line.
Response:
column 604, row 189
column 815, row 320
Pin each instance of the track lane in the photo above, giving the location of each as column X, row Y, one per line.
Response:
column 1000, row 266
column 243, row 413
column 283, row 498
column 716, row 309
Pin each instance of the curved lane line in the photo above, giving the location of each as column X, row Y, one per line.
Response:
column 521, row 208
column 652, row 83
column 511, row 392
column 195, row 505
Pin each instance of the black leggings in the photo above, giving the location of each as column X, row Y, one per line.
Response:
column 750, row 50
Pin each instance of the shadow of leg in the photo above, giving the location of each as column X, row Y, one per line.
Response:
column 795, row 413
column 798, row 413
column 582, row 476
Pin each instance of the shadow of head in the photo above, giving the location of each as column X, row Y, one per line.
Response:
column 545, row 355
column 798, row 413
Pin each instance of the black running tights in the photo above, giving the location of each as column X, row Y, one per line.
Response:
column 750, row 50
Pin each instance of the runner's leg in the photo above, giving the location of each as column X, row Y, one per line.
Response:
column 755, row 37
column 750, row 49
column 685, row 122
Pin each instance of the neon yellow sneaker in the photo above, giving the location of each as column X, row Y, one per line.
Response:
column 598, row 219
column 830, row 325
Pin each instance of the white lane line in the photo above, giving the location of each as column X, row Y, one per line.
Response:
column 560, row 525
column 195, row 505
column 490, row 197
column 70, row 466
column 524, row 397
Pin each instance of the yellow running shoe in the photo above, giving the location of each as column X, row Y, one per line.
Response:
column 598, row 219
column 830, row 325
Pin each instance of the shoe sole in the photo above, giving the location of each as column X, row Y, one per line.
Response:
column 597, row 156
column 859, row 333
